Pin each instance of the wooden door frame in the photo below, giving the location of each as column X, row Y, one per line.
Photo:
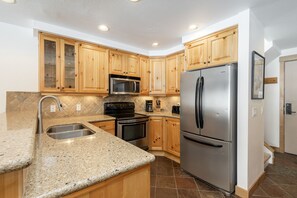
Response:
column 283, row 61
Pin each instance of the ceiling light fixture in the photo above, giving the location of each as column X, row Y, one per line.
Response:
column 103, row 28
column 155, row 44
column 193, row 27
column 134, row 0
column 9, row 1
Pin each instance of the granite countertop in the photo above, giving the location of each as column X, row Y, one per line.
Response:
column 61, row 167
column 160, row 113
column 17, row 136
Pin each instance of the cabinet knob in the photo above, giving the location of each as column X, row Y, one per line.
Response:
column 204, row 63
column 208, row 61
column 58, row 87
column 63, row 88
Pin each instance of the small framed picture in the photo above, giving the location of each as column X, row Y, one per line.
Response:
column 258, row 75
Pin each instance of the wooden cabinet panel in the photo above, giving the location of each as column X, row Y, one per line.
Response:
column 117, row 63
column 108, row 126
column 157, row 76
column 93, row 69
column 172, row 75
column 196, row 54
column 11, row 184
column 156, row 133
column 181, row 64
column 172, row 136
column 132, row 65
column 133, row 184
column 222, row 48
column 145, row 76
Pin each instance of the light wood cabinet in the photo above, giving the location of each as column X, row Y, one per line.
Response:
column 93, row 69
column 157, row 67
column 156, row 133
column 58, row 64
column 172, row 136
column 172, row 75
column 108, row 126
column 213, row 50
column 133, row 184
column 11, row 184
column 222, row 48
column 181, row 64
column 124, row 64
column 145, row 76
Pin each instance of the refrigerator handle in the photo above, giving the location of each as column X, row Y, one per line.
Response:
column 196, row 101
column 201, row 121
column 204, row 143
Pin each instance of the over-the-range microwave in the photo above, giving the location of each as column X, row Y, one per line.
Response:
column 124, row 85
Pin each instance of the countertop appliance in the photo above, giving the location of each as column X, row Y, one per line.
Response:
column 124, row 85
column 208, row 125
column 175, row 109
column 149, row 106
column 130, row 126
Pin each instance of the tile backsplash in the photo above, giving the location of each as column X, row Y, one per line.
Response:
column 90, row 105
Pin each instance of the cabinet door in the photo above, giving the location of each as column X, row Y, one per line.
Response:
column 157, row 76
column 108, row 126
column 145, row 76
column 156, row 133
column 117, row 63
column 222, row 48
column 171, row 75
column 93, row 69
column 196, row 54
column 181, row 65
column 172, row 133
column 69, row 66
column 49, row 64
column 132, row 65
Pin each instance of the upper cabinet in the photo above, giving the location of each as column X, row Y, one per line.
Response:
column 172, row 75
column 124, row 64
column 213, row 50
column 58, row 64
column 157, row 68
column 144, row 75
column 93, row 69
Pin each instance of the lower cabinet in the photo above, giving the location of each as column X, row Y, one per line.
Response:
column 11, row 184
column 108, row 126
column 164, row 135
column 133, row 184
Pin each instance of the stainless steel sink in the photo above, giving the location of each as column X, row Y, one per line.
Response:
column 69, row 131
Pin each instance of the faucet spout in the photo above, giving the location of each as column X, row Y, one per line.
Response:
column 40, row 123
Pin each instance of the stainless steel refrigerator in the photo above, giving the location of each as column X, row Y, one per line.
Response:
column 208, row 125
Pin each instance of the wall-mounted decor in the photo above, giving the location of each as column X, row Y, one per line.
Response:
column 271, row 80
column 258, row 74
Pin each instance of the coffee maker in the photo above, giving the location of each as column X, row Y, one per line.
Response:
column 149, row 106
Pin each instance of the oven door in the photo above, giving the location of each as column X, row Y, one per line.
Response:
column 134, row 131
column 124, row 86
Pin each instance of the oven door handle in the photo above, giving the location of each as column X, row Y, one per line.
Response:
column 131, row 123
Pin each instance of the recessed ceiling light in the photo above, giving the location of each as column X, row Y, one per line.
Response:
column 155, row 44
column 193, row 27
column 9, row 1
column 103, row 28
column 134, row 0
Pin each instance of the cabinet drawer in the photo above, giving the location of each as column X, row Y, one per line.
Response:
column 108, row 126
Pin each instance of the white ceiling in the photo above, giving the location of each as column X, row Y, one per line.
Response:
column 164, row 21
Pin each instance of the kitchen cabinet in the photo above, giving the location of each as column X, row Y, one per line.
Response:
column 172, row 136
column 181, row 65
column 212, row 50
column 157, row 85
column 156, row 133
column 11, row 184
column 145, row 76
column 108, row 126
column 58, row 64
column 93, row 69
column 172, row 75
column 124, row 64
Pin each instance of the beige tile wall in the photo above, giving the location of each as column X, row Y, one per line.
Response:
column 90, row 105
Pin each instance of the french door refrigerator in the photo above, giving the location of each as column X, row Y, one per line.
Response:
column 208, row 125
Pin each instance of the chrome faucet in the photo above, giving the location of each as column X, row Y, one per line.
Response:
column 40, row 124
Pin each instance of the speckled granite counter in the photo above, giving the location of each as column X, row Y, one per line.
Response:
column 161, row 114
column 61, row 167
column 17, row 136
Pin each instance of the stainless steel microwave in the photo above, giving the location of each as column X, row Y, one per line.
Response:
column 124, row 85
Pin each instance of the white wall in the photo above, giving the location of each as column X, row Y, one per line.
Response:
column 19, row 61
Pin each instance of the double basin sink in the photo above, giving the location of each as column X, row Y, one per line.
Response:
column 69, row 131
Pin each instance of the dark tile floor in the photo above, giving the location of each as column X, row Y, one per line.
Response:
column 169, row 181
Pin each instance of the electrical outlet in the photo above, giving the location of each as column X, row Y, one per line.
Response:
column 78, row 107
column 53, row 108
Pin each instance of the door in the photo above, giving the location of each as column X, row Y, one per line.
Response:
column 218, row 102
column 189, row 101
column 171, row 75
column 157, row 76
column 196, row 54
column 117, row 63
column 145, row 76
column 93, row 69
column 132, row 65
column 291, row 107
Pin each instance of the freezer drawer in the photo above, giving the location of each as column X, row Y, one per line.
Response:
column 211, row 160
